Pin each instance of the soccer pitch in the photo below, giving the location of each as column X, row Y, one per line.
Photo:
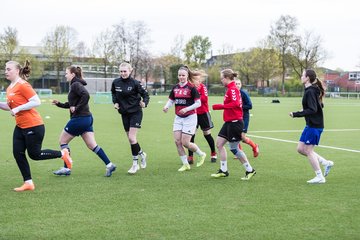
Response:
column 161, row 203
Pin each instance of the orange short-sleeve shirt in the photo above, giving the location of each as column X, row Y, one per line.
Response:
column 19, row 95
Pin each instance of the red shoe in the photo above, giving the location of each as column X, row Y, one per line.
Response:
column 256, row 151
column 25, row 187
column 66, row 157
column 213, row 157
column 190, row 159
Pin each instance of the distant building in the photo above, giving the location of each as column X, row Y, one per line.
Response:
column 92, row 68
column 342, row 81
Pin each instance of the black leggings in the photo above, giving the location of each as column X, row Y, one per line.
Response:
column 30, row 139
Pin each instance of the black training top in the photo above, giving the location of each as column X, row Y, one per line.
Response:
column 128, row 93
column 78, row 97
column 312, row 108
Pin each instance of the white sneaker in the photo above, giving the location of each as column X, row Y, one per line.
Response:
column 316, row 180
column 328, row 167
column 134, row 168
column 143, row 160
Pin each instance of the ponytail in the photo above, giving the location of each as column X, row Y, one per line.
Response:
column 77, row 71
column 316, row 81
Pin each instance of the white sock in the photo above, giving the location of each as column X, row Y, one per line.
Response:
column 184, row 159
column 322, row 160
column 109, row 164
column 135, row 161
column 30, row 181
column 199, row 152
column 248, row 167
column 223, row 166
column 319, row 174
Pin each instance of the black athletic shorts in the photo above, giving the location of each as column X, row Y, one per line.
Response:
column 204, row 121
column 231, row 131
column 132, row 120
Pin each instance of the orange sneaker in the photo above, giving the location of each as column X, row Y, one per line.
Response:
column 256, row 151
column 66, row 157
column 25, row 187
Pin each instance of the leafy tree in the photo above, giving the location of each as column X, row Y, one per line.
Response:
column 8, row 43
column 164, row 63
column 264, row 63
column 282, row 35
column 196, row 50
column 243, row 63
column 58, row 45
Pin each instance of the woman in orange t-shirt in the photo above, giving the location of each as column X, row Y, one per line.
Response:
column 29, row 130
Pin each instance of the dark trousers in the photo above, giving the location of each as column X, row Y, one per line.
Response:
column 30, row 139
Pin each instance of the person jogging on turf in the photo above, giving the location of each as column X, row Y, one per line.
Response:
column 232, row 128
column 129, row 98
column 312, row 111
column 29, row 131
column 246, row 106
column 186, row 99
column 81, row 120
column 203, row 116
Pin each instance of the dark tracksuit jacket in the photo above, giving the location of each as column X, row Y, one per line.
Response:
column 128, row 93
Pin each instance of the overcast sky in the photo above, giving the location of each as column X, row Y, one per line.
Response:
column 236, row 23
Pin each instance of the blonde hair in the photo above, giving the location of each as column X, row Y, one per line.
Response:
column 24, row 72
column 127, row 65
column 190, row 73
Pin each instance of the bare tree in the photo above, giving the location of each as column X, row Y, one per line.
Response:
column 104, row 49
column 58, row 46
column 306, row 52
column 120, row 40
column 282, row 35
column 138, row 41
column 177, row 48
column 81, row 50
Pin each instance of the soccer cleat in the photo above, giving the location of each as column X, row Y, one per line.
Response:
column 316, row 180
column 256, row 151
column 201, row 160
column 328, row 168
column 134, row 168
column 220, row 174
column 213, row 157
column 143, row 160
column 190, row 159
column 25, row 187
column 184, row 167
column 248, row 175
column 66, row 157
column 110, row 170
column 62, row 172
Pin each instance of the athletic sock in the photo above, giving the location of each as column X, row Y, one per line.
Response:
column 184, row 159
column 248, row 167
column 211, row 142
column 223, row 166
column 63, row 146
column 100, row 152
column 249, row 142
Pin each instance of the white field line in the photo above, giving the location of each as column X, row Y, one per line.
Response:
column 288, row 131
column 289, row 141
